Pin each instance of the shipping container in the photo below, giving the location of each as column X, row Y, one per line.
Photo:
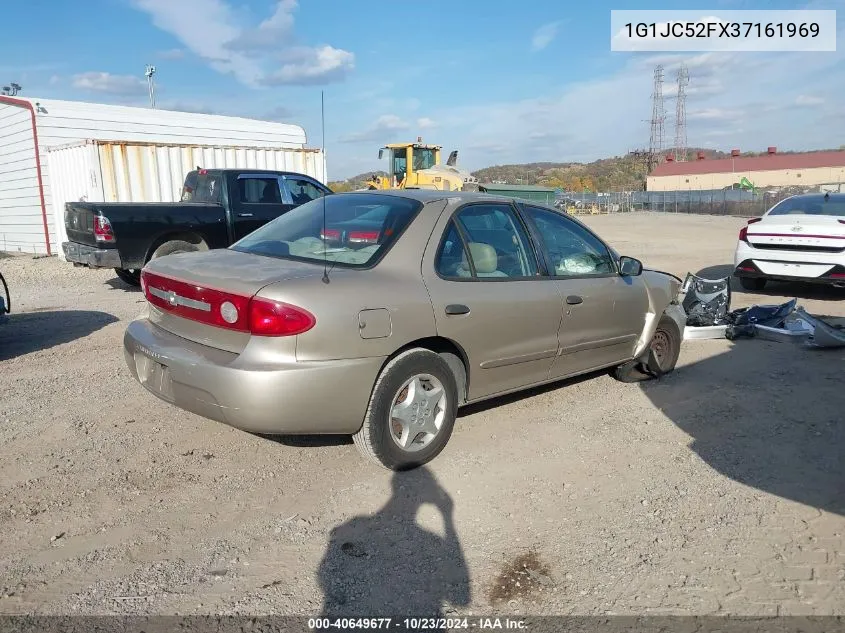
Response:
column 147, row 146
column 108, row 171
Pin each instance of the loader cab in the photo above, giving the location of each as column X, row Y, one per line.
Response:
column 405, row 159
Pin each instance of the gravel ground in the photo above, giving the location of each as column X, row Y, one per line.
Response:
column 719, row 489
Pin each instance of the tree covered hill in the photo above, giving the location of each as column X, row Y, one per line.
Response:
column 619, row 173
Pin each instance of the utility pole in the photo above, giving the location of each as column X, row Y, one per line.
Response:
column 681, row 115
column 149, row 71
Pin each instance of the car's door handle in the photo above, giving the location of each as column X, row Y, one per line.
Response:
column 244, row 215
column 457, row 308
column 574, row 300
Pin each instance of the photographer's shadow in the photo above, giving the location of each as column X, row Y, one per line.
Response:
column 387, row 565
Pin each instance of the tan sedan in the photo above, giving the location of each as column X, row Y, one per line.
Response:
column 378, row 314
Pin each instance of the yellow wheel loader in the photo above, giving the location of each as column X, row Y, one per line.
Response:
column 417, row 166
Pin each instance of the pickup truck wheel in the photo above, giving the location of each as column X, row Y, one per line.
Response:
column 173, row 247
column 131, row 277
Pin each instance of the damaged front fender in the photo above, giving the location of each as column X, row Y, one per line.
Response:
column 663, row 293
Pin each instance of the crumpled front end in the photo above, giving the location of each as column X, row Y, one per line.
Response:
column 663, row 298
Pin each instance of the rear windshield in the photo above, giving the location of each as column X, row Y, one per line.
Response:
column 358, row 229
column 201, row 188
column 811, row 205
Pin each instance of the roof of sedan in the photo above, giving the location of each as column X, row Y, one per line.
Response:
column 427, row 195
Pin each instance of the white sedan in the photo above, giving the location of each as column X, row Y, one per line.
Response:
column 801, row 238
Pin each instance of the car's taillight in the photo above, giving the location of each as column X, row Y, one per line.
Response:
column 330, row 234
column 363, row 237
column 743, row 232
column 274, row 318
column 102, row 229
column 256, row 315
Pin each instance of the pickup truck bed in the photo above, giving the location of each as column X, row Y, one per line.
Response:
column 219, row 207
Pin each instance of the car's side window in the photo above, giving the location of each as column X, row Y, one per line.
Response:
column 571, row 250
column 260, row 190
column 497, row 245
column 302, row 191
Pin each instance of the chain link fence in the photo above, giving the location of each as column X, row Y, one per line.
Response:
column 730, row 202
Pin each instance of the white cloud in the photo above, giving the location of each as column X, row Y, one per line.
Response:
column 808, row 100
column 269, row 33
column 308, row 66
column 382, row 131
column 119, row 85
column 255, row 55
column 425, row 123
column 544, row 36
column 172, row 54
column 714, row 114
column 55, row 80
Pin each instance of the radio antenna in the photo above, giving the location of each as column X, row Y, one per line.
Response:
column 323, row 158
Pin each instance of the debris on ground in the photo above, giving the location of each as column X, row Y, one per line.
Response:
column 706, row 301
column 707, row 304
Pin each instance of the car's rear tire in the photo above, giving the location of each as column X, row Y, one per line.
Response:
column 406, row 424
column 131, row 277
column 752, row 284
column 660, row 357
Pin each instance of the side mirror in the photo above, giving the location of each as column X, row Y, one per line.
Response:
column 380, row 154
column 630, row 267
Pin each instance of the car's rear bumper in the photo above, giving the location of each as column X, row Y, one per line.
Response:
column 91, row 256
column 278, row 398
column 823, row 268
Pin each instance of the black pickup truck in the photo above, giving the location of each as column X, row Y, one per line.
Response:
column 218, row 207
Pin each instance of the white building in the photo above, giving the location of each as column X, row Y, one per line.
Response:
column 140, row 155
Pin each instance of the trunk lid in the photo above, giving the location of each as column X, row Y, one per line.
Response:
column 202, row 281
column 798, row 233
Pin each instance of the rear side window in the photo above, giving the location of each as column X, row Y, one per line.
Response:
column 497, row 245
column 358, row 229
column 811, row 205
column 260, row 190
column 201, row 188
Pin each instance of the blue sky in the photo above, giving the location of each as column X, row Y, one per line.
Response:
column 499, row 81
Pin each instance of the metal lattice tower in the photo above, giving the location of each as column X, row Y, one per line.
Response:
column 658, row 116
column 681, row 115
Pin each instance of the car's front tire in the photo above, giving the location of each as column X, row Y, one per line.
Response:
column 752, row 284
column 411, row 412
column 659, row 359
